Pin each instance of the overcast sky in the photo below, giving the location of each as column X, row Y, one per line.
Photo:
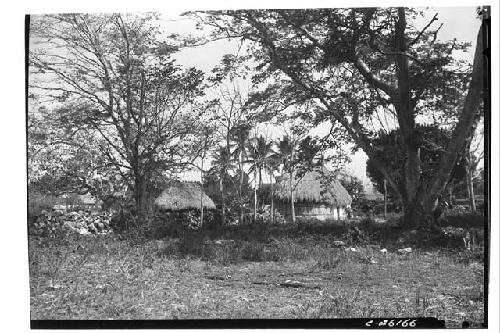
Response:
column 458, row 22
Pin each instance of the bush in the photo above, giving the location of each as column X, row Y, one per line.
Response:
column 356, row 235
column 123, row 221
column 223, row 253
column 212, row 219
column 169, row 249
column 161, row 224
column 266, row 217
column 191, row 244
column 463, row 220
column 164, row 225
column 39, row 202
column 253, row 252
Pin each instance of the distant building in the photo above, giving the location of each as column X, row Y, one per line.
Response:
column 183, row 196
column 316, row 195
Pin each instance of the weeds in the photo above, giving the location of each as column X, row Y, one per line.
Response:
column 108, row 278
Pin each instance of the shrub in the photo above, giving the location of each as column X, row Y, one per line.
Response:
column 160, row 224
column 124, row 220
column 256, row 251
column 463, row 220
column 312, row 226
column 212, row 220
column 330, row 260
column 225, row 253
column 356, row 235
column 191, row 244
column 164, row 225
column 248, row 231
column 39, row 202
column 253, row 252
column 267, row 217
column 169, row 249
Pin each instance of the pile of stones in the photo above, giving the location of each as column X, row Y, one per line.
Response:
column 83, row 222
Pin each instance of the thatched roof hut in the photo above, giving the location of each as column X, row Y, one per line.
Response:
column 316, row 194
column 180, row 196
column 314, row 187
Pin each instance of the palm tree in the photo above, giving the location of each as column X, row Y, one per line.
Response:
column 287, row 156
column 240, row 135
column 221, row 164
column 261, row 151
column 273, row 164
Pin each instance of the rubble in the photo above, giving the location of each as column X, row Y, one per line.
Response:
column 83, row 222
column 405, row 250
column 351, row 249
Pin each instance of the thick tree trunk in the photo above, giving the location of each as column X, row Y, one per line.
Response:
column 470, row 166
column 420, row 201
column 423, row 212
column 470, row 187
column 405, row 110
column 139, row 197
column 415, row 216
column 465, row 123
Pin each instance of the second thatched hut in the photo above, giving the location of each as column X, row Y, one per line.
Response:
column 183, row 196
column 316, row 195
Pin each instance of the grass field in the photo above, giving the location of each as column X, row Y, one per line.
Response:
column 285, row 277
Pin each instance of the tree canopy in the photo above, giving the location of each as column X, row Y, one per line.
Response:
column 119, row 111
column 115, row 81
column 359, row 64
column 432, row 141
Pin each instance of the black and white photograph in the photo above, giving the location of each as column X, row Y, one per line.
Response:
column 260, row 167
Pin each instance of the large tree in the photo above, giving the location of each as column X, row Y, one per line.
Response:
column 361, row 64
column 115, row 80
column 431, row 140
column 64, row 160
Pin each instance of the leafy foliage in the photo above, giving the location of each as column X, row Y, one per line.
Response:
column 354, row 187
column 391, row 74
column 117, row 87
column 432, row 142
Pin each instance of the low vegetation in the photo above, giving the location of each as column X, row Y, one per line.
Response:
column 302, row 270
column 128, row 122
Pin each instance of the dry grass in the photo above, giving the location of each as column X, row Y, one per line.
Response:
column 103, row 278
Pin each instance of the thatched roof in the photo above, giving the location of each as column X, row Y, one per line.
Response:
column 314, row 187
column 180, row 196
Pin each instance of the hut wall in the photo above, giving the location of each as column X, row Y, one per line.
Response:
column 318, row 211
